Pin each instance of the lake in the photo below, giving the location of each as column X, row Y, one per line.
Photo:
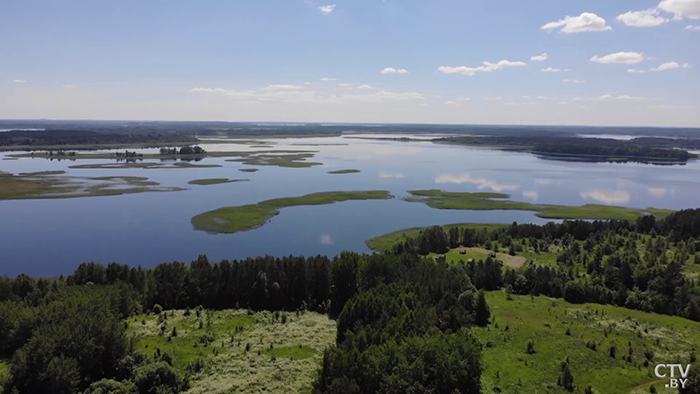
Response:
column 51, row 237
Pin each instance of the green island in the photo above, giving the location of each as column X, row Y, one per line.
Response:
column 41, row 186
column 215, row 181
column 185, row 153
column 248, row 217
column 148, row 165
column 39, row 173
column 294, row 160
column 248, row 170
column 349, row 171
column 492, row 201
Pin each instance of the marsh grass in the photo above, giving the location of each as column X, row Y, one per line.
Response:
column 215, row 181
column 281, row 357
column 349, row 171
column 545, row 322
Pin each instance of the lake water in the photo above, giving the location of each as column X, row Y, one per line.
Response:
column 51, row 237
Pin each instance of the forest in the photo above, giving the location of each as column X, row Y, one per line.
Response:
column 84, row 137
column 643, row 147
column 404, row 320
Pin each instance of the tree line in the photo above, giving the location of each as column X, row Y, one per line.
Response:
column 85, row 137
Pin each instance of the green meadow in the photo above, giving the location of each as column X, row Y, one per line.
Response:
column 246, row 217
column 234, row 351
column 582, row 334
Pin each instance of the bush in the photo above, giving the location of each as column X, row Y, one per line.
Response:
column 157, row 378
column 157, row 309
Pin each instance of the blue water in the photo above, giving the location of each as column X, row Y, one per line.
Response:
column 51, row 237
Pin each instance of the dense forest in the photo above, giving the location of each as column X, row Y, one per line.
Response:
column 85, row 137
column 403, row 319
column 646, row 147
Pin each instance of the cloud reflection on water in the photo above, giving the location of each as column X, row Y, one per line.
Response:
column 481, row 183
column 608, row 197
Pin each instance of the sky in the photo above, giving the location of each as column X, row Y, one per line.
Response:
column 548, row 62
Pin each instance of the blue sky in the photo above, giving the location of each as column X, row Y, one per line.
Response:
column 265, row 61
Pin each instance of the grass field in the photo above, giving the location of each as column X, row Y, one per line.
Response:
column 385, row 241
column 214, row 181
column 240, row 352
column 490, row 201
column 4, row 373
column 344, row 172
column 247, row 217
column 453, row 256
column 545, row 321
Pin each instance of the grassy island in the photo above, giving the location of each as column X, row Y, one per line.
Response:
column 248, row 170
column 247, row 217
column 344, row 172
column 492, row 201
column 215, row 181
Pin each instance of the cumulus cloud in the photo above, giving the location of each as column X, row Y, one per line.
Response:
column 541, row 97
column 326, row 239
column 450, row 103
column 686, row 65
column 68, row 86
column 19, row 81
column 692, row 28
column 386, row 175
column 681, row 8
column 487, row 67
column 635, row 71
column 666, row 66
column 481, row 183
column 493, row 98
column 463, row 99
column 574, row 81
column 346, row 85
column 281, row 87
column 326, row 79
column 551, row 70
column 607, row 197
column 392, row 70
column 623, row 97
column 656, row 192
column 619, row 58
column 646, row 18
column 585, row 22
column 327, row 9
column 533, row 195
column 539, row 58
column 365, row 87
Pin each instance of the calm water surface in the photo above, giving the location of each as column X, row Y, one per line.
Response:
column 51, row 237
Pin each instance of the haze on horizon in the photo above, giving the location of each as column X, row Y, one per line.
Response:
column 598, row 63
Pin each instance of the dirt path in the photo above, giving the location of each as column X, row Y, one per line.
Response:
column 644, row 385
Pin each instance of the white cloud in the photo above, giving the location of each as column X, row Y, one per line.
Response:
column 541, row 97
column 619, row 58
column 681, row 8
column 450, row 103
column 386, row 175
column 623, row 97
column 382, row 96
column 493, row 98
column 365, row 87
column 634, row 71
column 543, row 181
column 463, row 99
column 656, row 192
column 551, row 70
column 348, row 86
column 487, row 67
column 19, row 81
column 392, row 70
column 327, row 9
column 686, row 65
column 68, row 86
column 281, row 87
column 585, row 22
column 666, row 66
column 326, row 239
column 533, row 195
column 646, row 18
column 481, row 183
column 326, row 79
column 574, row 81
column 613, row 197
column 539, row 58
column 692, row 28
column 562, row 103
